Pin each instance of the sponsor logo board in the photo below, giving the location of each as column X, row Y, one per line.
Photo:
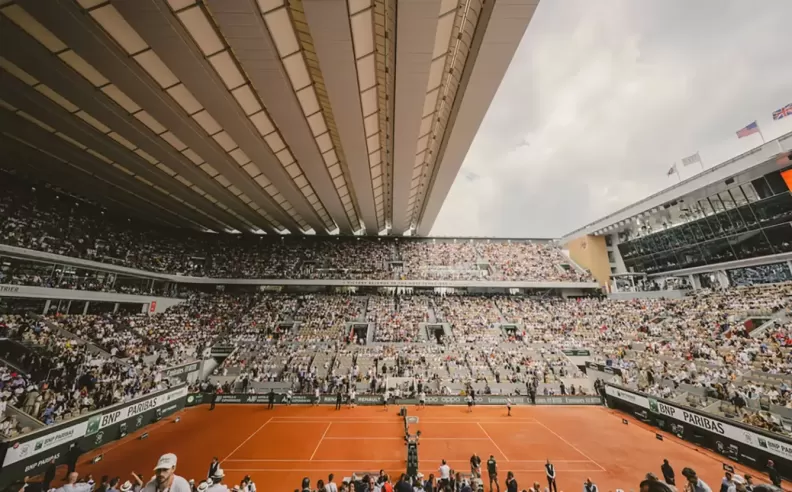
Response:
column 737, row 434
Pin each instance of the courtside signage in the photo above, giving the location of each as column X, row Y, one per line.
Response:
column 377, row 399
column 23, row 450
column 737, row 434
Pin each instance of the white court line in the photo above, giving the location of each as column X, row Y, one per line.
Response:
column 300, row 420
column 320, row 441
column 570, row 445
column 246, row 440
column 336, row 422
column 390, row 461
column 334, row 470
column 493, row 442
column 402, row 439
column 325, row 461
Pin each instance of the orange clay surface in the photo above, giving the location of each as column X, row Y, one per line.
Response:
column 279, row 447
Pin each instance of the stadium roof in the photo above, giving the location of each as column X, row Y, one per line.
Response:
column 264, row 116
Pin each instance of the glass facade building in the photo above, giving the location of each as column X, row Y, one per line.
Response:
column 745, row 221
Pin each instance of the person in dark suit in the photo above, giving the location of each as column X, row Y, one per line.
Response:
column 511, row 483
column 668, row 473
column 338, row 400
column 271, row 399
column 214, row 400
column 49, row 474
column 551, row 477
column 773, row 474
column 213, row 466
column 71, row 458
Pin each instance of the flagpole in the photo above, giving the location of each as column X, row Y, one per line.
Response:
column 679, row 176
column 760, row 134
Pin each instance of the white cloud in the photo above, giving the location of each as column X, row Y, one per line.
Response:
column 602, row 97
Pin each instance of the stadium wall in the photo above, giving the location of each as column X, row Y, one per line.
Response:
column 591, row 253
column 369, row 400
column 30, row 454
column 151, row 304
column 741, row 443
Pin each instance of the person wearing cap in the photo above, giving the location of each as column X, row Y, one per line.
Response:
column 203, row 486
column 739, row 483
column 128, row 487
column 165, row 478
column 216, row 482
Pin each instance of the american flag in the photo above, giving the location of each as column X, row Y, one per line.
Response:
column 748, row 130
column 783, row 112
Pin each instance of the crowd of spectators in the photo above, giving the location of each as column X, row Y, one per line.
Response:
column 44, row 219
column 57, row 367
column 53, row 377
column 445, row 479
column 760, row 274
column 498, row 343
column 397, row 318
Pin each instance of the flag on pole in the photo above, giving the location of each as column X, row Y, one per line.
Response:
column 783, row 112
column 672, row 170
column 748, row 130
column 693, row 159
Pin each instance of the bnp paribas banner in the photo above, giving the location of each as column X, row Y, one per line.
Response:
column 705, row 422
column 30, row 454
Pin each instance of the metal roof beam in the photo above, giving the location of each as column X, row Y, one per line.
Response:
column 67, row 21
column 153, row 21
column 332, row 35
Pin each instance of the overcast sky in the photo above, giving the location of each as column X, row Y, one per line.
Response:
column 603, row 96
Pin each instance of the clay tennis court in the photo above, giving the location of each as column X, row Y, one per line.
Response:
column 279, row 447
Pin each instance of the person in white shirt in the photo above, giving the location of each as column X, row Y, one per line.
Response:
column 249, row 483
column 352, row 396
column 385, row 398
column 508, row 406
column 317, row 396
column 445, row 475
column 470, row 403
column 330, row 486
column 422, row 399
column 166, row 479
column 73, row 486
